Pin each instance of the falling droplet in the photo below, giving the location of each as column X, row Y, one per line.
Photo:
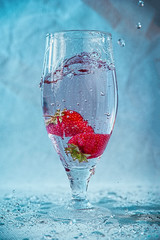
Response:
column 121, row 42
column 102, row 94
column 141, row 3
column 138, row 25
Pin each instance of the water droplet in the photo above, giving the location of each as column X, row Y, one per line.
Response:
column 98, row 233
column 102, row 94
column 52, row 104
column 141, row 3
column 138, row 25
column 77, row 104
column 41, row 82
column 108, row 114
column 85, row 100
column 63, row 100
column 47, row 236
column 81, row 235
column 40, row 85
column 74, row 221
column 121, row 42
column 91, row 90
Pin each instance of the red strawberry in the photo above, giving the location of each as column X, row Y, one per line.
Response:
column 74, row 128
column 84, row 146
column 54, row 125
column 69, row 115
column 55, row 129
column 68, row 123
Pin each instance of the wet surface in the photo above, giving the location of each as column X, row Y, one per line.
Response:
column 133, row 214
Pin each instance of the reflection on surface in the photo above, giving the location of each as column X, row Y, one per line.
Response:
column 135, row 214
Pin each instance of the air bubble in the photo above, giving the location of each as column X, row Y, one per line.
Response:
column 121, row 42
column 63, row 100
column 141, row 3
column 52, row 104
column 85, row 100
column 102, row 94
column 91, row 90
column 138, row 25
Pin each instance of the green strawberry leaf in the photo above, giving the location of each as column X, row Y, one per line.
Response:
column 76, row 154
column 55, row 118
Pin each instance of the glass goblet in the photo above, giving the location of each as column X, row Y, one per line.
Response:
column 79, row 100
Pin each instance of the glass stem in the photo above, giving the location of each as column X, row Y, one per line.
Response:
column 79, row 179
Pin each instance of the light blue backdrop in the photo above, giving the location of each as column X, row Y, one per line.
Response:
column 27, row 157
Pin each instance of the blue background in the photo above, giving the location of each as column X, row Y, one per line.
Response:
column 27, row 158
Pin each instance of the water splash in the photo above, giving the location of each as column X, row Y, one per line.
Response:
column 121, row 42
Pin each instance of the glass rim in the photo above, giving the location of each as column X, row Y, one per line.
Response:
column 91, row 33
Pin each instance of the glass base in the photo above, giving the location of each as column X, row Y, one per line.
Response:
column 69, row 214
